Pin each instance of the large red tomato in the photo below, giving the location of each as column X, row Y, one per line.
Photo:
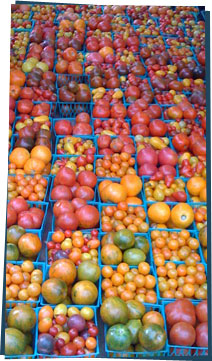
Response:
column 88, row 216
column 65, row 176
column 202, row 334
column 63, row 127
column 78, row 203
column 182, row 334
column 87, row 178
column 11, row 216
column 19, row 204
column 118, row 111
column 202, row 311
column 180, row 142
column 61, row 207
column 140, row 129
column 167, row 156
column 180, row 311
column 140, row 118
column 157, row 128
column 61, row 192
column 82, row 129
column 147, row 155
column 147, row 169
column 67, row 221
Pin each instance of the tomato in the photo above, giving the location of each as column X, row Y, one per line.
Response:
column 87, row 178
column 68, row 220
column 25, row 106
column 202, row 311
column 201, row 57
column 147, row 169
column 25, row 220
column 19, row 204
column 82, row 129
column 182, row 334
column 157, row 128
column 63, row 127
column 61, row 192
column 140, row 118
column 40, row 109
column 66, row 177
column 140, row 129
column 147, row 155
column 11, row 216
column 202, row 334
column 154, row 111
column 118, row 111
column 167, row 156
column 70, row 349
column 61, row 207
column 180, row 311
column 88, row 216
column 180, row 142
column 168, row 170
column 78, row 203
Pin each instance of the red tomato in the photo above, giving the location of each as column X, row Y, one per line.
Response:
column 167, row 156
column 61, row 192
column 157, row 128
column 61, row 207
column 65, row 176
column 63, row 127
column 180, row 311
column 182, row 334
column 180, row 142
column 202, row 334
column 18, row 204
column 202, row 311
column 66, row 221
column 147, row 155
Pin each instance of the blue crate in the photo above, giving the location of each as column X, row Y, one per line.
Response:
column 72, row 109
column 37, row 265
column 12, row 143
column 193, row 234
column 36, row 102
column 161, row 299
column 178, row 350
column 34, row 340
column 83, row 137
column 49, row 238
column 203, row 14
column 96, row 204
column 37, row 259
column 20, row 30
column 57, row 157
column 92, row 354
column 44, row 176
column 52, row 201
column 117, row 180
column 149, row 256
column 95, row 305
column 147, row 178
column 84, row 78
column 72, row 121
column 139, row 355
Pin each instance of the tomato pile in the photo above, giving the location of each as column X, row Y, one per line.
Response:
column 107, row 191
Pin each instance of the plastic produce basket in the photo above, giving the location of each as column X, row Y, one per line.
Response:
column 52, row 201
column 96, row 204
column 47, row 188
column 114, row 267
column 72, row 121
column 70, row 110
column 161, row 299
column 93, row 354
column 178, row 350
column 95, row 305
column 49, row 238
column 83, row 138
column 37, row 265
column 34, row 341
column 139, row 355
column 145, row 179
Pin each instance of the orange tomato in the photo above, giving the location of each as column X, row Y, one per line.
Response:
column 182, row 215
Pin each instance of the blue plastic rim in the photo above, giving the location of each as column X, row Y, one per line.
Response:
column 49, row 238
column 34, row 339
column 97, row 284
column 178, row 350
column 92, row 354
column 140, row 355
column 37, row 265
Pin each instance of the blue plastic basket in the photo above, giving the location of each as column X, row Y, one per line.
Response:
column 178, row 350
column 37, row 265
column 83, row 138
column 162, row 299
column 34, row 340
column 52, row 201
column 96, row 204
column 71, row 77
column 72, row 121
column 139, row 355
column 95, row 305
column 49, row 238
column 67, row 157
column 92, row 354
column 72, row 109
column 117, row 180
column 47, row 188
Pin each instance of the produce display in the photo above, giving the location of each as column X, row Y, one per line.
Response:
column 106, row 241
